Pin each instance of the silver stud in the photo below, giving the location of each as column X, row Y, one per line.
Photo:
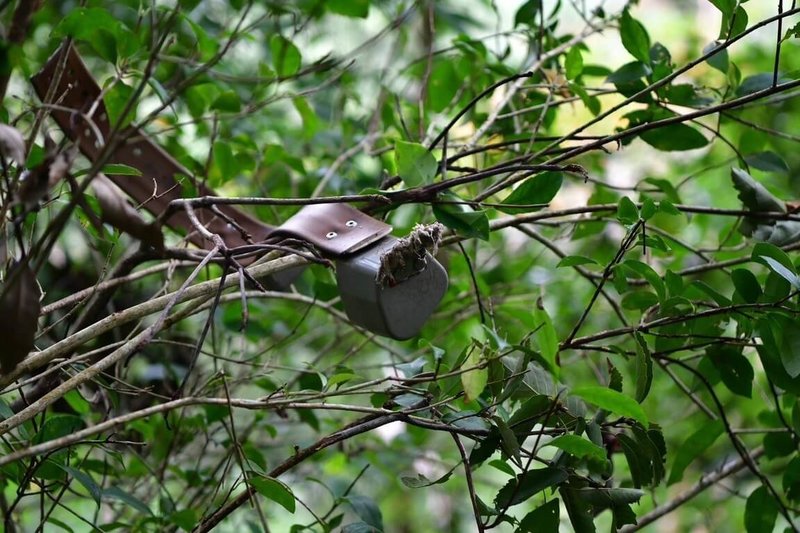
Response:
column 351, row 223
column 331, row 235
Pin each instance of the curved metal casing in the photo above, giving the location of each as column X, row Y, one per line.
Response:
column 397, row 311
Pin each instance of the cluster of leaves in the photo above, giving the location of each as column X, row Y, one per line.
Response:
column 609, row 346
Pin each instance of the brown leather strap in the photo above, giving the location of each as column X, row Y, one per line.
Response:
column 158, row 185
column 335, row 229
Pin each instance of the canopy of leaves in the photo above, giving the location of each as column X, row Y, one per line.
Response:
column 620, row 331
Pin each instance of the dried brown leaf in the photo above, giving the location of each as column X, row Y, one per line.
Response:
column 12, row 144
column 35, row 184
column 116, row 210
column 20, row 305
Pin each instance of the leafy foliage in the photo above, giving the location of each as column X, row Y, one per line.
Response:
column 620, row 330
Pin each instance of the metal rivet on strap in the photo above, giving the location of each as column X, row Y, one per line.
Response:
column 351, row 223
column 331, row 235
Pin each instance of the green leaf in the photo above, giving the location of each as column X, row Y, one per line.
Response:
column 527, row 484
column 646, row 271
column 349, row 8
column 101, row 30
column 581, row 515
column 644, row 369
column 474, row 381
column 693, row 446
column 413, row 368
column 309, row 380
column 367, row 510
column 311, row 122
column 639, row 300
column 627, row 212
column 760, row 511
column 725, row 6
column 579, row 447
column 767, row 161
column 733, row 24
column 674, row 138
column 776, row 288
column 757, row 82
column 615, row 380
column 777, row 260
column 117, row 493
column 528, row 414
column 649, row 209
column 532, row 194
column 782, row 271
column 622, row 514
column 543, row 519
column 206, row 45
column 734, row 369
column 778, row 341
column 576, row 260
column 613, row 401
column 573, row 63
column 546, row 337
column 86, row 480
column 508, row 439
column 629, row 73
column 793, row 32
column 746, row 284
column 779, row 445
column 791, row 479
column 57, row 426
column 762, row 250
column 790, row 354
column 115, row 100
column 592, row 103
column 274, row 490
column 443, row 85
column 415, row 164
column 634, row 37
column 225, row 166
column 227, row 101
column 638, row 462
column 719, row 60
column 77, row 402
column 528, row 13
column 667, row 208
column 215, row 413
column 462, row 219
column 286, row 57
column 185, row 519
column 502, row 466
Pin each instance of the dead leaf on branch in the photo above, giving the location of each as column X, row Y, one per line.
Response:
column 20, row 305
column 755, row 197
column 116, row 211
column 12, row 144
column 35, row 184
